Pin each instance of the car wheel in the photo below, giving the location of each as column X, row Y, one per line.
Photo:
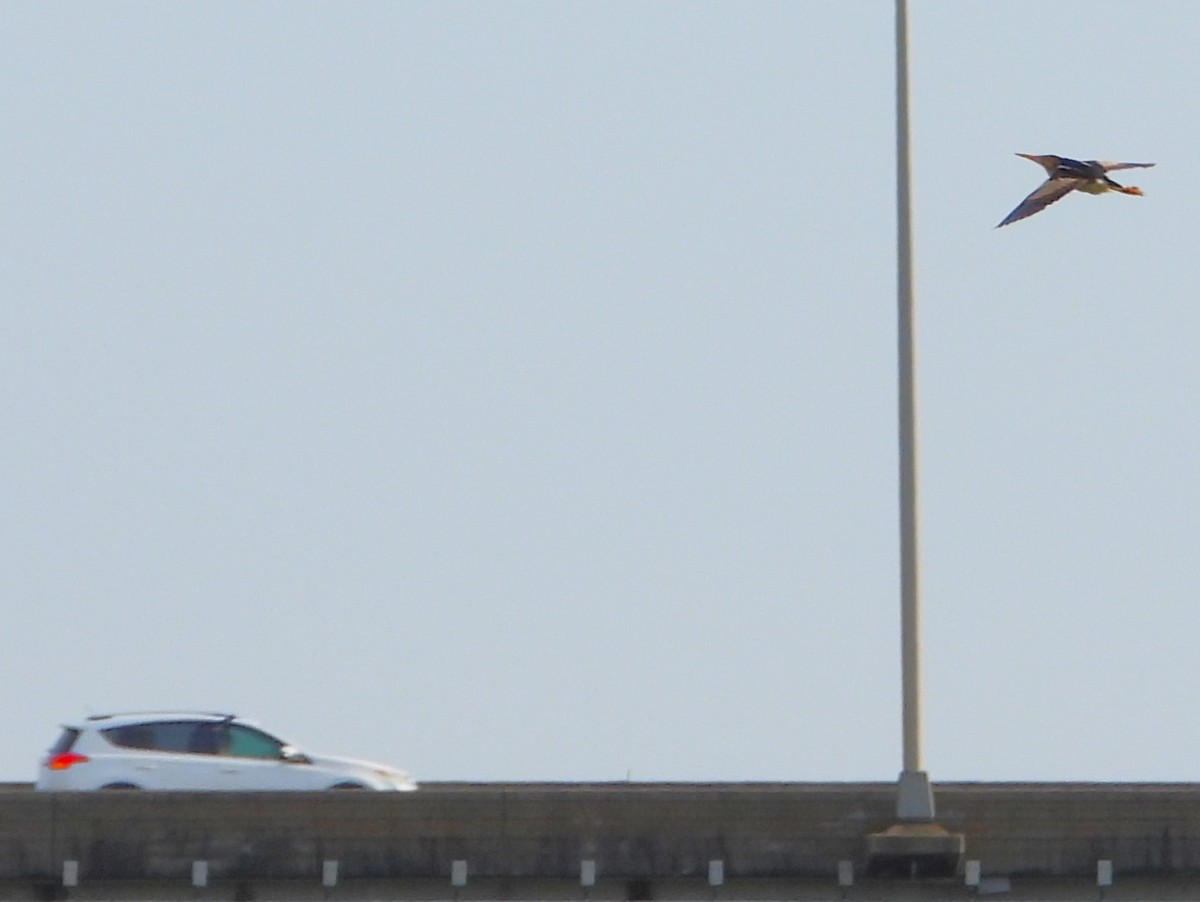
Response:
column 347, row 786
column 120, row 786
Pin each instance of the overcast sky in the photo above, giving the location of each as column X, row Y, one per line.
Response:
column 507, row 391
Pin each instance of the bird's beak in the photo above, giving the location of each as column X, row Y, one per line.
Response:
column 1131, row 189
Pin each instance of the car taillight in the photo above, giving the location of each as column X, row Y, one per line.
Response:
column 65, row 760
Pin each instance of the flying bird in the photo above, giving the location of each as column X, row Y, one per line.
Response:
column 1066, row 175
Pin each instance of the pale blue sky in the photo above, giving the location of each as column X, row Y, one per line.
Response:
column 507, row 390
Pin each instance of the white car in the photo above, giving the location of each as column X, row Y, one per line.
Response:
column 189, row 751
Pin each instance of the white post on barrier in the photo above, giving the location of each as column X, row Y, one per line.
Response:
column 1104, row 876
column 587, row 876
column 458, row 875
column 845, row 873
column 329, row 872
column 845, row 877
column 973, row 871
column 716, row 872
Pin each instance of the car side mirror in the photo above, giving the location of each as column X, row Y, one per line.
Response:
column 293, row 755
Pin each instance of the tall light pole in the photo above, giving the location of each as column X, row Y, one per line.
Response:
column 914, row 798
column 916, row 846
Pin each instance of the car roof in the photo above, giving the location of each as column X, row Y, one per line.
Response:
column 122, row 718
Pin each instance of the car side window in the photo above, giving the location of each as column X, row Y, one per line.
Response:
column 132, row 737
column 163, row 736
column 245, row 742
column 209, row 739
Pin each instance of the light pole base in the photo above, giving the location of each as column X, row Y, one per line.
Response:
column 914, row 797
column 916, row 846
column 913, row 850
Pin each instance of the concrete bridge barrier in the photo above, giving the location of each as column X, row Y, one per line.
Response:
column 535, row 841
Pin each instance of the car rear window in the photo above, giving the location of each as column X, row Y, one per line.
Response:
column 64, row 742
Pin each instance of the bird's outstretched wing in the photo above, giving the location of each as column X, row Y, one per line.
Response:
column 1046, row 194
column 1110, row 165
